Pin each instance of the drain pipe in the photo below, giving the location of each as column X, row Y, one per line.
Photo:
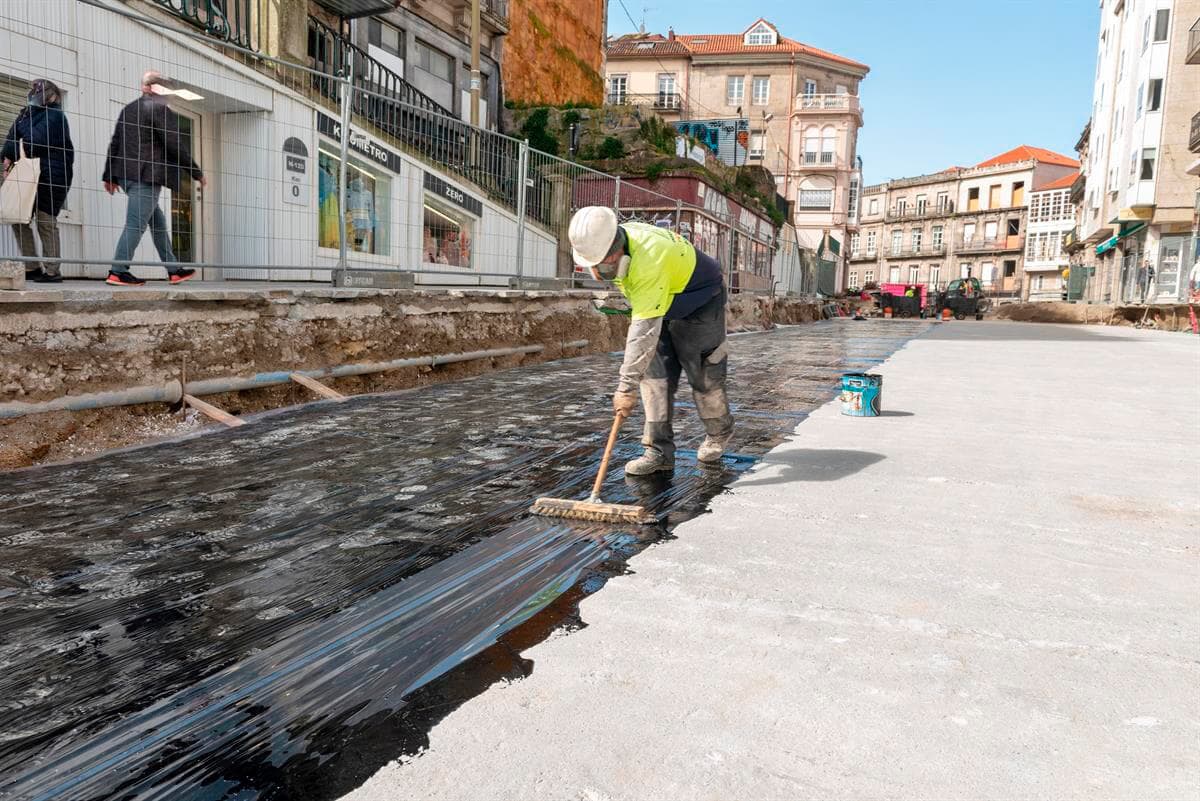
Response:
column 171, row 392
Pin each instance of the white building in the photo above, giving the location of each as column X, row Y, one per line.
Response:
column 268, row 140
column 1051, row 217
column 1138, row 199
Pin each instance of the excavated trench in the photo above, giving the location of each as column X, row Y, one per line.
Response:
column 278, row 610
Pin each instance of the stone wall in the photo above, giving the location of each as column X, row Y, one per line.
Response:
column 554, row 52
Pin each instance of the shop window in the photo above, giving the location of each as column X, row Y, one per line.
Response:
column 448, row 236
column 366, row 218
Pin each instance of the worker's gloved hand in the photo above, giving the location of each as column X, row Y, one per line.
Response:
column 624, row 403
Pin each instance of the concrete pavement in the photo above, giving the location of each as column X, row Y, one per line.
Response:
column 990, row 592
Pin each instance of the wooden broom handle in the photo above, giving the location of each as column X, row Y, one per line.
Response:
column 612, row 439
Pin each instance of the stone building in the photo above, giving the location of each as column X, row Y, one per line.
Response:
column 1140, row 193
column 799, row 103
column 964, row 221
column 554, row 52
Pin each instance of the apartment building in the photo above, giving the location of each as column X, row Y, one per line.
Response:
column 799, row 103
column 1140, row 194
column 964, row 221
column 1051, row 217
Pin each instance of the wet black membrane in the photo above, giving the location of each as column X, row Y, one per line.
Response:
column 276, row 611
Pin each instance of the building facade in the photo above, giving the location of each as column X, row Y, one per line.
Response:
column 1139, row 198
column 800, row 106
column 1051, row 217
column 963, row 222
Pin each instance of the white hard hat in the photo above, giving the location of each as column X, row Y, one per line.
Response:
column 593, row 229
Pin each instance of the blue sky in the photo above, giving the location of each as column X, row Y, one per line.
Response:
column 951, row 81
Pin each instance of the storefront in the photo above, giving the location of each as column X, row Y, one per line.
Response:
column 370, row 172
column 450, row 221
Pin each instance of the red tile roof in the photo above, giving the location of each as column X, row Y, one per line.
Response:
column 717, row 44
column 660, row 46
column 1027, row 153
column 1059, row 183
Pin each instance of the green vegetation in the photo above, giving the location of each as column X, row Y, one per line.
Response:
column 534, row 129
column 659, row 134
column 612, row 148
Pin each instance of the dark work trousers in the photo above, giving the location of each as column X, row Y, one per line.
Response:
column 694, row 345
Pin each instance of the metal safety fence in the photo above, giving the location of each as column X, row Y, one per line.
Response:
column 321, row 171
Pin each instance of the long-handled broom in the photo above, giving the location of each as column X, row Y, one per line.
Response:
column 593, row 508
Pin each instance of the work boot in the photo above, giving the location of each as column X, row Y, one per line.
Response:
column 649, row 462
column 712, row 449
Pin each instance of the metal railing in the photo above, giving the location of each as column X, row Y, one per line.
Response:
column 232, row 21
column 663, row 101
column 917, row 213
column 819, row 159
column 983, row 245
column 1194, row 134
column 1193, row 51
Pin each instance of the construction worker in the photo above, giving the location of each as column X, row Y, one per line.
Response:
column 677, row 295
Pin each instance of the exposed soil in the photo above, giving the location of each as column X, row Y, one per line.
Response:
column 1172, row 317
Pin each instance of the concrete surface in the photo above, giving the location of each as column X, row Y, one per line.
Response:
column 990, row 592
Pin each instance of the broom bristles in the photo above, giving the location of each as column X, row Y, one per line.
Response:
column 588, row 510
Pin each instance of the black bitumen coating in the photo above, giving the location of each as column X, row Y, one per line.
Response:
column 278, row 610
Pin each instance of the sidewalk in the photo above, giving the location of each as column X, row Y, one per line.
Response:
column 988, row 593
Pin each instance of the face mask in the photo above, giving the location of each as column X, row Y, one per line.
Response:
column 609, row 272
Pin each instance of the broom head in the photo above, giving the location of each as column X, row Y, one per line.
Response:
column 593, row 511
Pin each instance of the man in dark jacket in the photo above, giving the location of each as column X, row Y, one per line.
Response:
column 42, row 127
column 147, row 152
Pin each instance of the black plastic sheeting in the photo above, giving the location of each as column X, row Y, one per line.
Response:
column 236, row 615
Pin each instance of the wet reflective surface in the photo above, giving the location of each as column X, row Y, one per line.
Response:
column 276, row 611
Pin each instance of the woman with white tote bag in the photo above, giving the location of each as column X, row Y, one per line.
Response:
column 40, row 134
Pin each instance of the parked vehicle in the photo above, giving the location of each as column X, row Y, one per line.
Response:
column 963, row 297
column 905, row 300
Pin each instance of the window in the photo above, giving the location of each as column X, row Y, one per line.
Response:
column 1010, row 267
column 810, row 87
column 1037, row 283
column 987, row 271
column 760, row 34
column 1018, row 193
column 1146, row 35
column 936, row 237
column 1154, row 94
column 901, row 206
column 989, row 230
column 870, row 243
column 920, row 204
column 667, row 96
column 973, row 199
column 897, row 241
column 386, row 38
column 854, row 244
column 366, row 219
column 894, row 275
column 917, row 235
column 968, row 232
column 1133, row 165
column 758, row 145
column 935, row 274
column 1148, row 156
column 762, row 90
column 816, row 199
column 735, row 89
column 853, row 199
column 812, row 143
column 828, row 145
column 914, row 274
column 434, row 73
column 447, row 236
column 1014, row 226
column 852, row 279
column 618, row 89
column 994, row 196
column 874, row 205
column 1162, row 24
column 1140, row 99
column 943, row 202
column 868, row 277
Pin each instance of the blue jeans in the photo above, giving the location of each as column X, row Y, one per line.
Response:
column 142, row 210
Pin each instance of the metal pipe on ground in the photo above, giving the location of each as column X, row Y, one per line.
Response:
column 172, row 392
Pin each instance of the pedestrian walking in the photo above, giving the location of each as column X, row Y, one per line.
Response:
column 42, row 128
column 677, row 295
column 147, row 152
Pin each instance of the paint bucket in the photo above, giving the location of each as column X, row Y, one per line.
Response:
column 947, row 314
column 861, row 394
column 887, row 313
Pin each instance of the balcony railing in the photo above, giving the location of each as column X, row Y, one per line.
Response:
column 1193, row 51
column 231, row 21
column 917, row 213
column 982, row 245
column 662, row 101
column 1194, row 136
column 822, row 103
column 819, row 160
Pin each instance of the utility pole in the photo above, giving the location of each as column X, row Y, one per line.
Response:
column 476, row 77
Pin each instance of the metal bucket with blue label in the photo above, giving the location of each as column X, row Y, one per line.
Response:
column 861, row 394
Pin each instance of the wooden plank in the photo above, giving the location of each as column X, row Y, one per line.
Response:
column 317, row 387
column 208, row 410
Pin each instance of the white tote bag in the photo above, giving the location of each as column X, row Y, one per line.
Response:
column 18, row 193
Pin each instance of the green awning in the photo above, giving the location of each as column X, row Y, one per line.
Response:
column 1109, row 244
